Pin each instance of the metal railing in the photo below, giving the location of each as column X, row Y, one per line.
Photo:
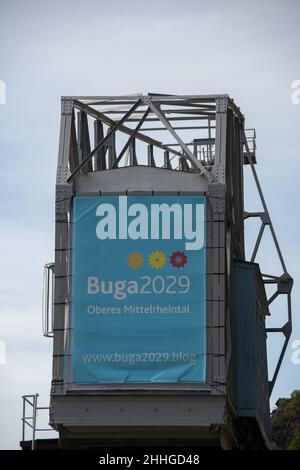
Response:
column 250, row 138
column 30, row 421
column 204, row 150
column 48, row 300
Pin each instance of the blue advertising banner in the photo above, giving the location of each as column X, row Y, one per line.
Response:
column 138, row 289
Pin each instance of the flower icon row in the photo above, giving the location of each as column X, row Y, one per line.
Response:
column 157, row 259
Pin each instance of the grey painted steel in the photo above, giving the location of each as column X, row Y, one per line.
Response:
column 106, row 120
column 132, row 411
column 100, row 163
column 131, row 139
column 48, row 300
column 264, row 203
column 187, row 151
column 285, row 281
column 84, row 146
column 151, row 161
column 74, row 146
column 251, row 388
column 87, row 159
column 30, row 420
column 64, row 192
column 220, row 178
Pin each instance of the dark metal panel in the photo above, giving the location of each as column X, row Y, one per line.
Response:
column 131, row 144
column 63, row 196
column 74, row 157
column 151, row 161
column 167, row 163
column 152, row 410
column 245, row 338
column 220, row 141
column 100, row 162
column 84, row 146
column 251, row 391
column 132, row 153
column 215, row 289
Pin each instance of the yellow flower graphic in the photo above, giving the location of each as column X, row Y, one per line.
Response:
column 135, row 260
column 157, row 259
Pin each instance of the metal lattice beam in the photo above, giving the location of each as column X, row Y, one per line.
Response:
column 131, row 138
column 103, row 141
column 196, row 164
column 284, row 282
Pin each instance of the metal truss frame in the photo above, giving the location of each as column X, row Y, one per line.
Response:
column 143, row 109
column 284, row 282
column 137, row 117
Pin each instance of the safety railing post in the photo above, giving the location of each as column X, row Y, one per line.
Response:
column 35, row 397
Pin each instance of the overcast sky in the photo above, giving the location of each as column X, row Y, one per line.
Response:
column 52, row 48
